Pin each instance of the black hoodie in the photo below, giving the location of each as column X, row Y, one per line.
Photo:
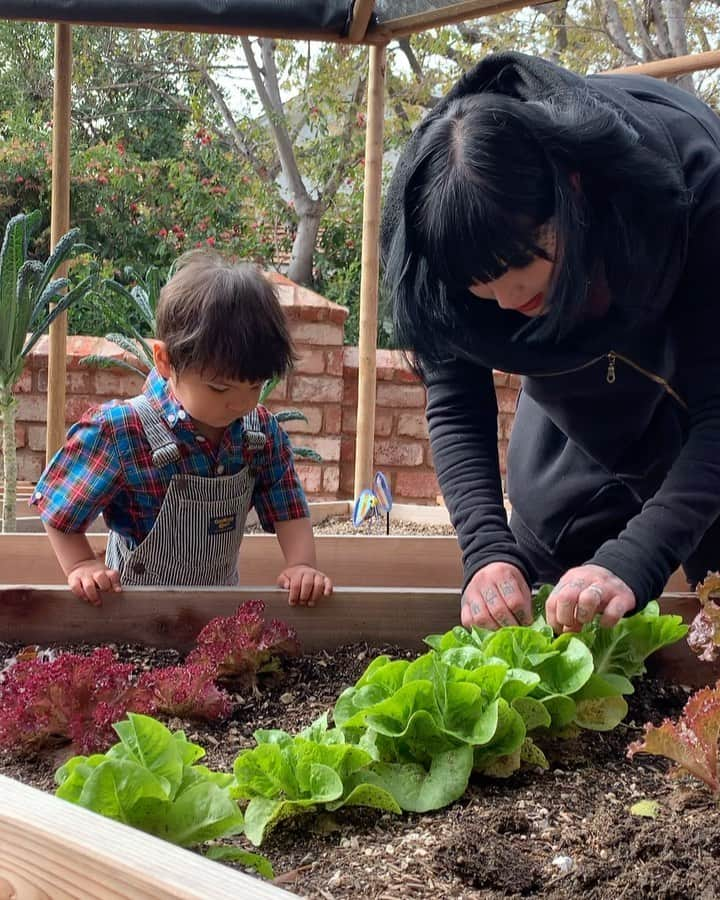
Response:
column 619, row 423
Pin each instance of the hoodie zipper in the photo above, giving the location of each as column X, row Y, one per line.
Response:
column 612, row 357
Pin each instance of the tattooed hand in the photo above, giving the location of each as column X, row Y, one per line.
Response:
column 496, row 595
column 582, row 593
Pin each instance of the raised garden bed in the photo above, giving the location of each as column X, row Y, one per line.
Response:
column 504, row 838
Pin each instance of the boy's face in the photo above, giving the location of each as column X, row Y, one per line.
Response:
column 209, row 399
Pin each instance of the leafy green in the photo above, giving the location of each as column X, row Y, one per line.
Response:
column 150, row 780
column 286, row 776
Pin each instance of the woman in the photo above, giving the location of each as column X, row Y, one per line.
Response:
column 566, row 229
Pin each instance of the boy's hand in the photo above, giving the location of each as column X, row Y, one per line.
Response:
column 90, row 577
column 305, row 584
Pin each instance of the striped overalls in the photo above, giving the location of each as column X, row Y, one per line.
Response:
column 197, row 535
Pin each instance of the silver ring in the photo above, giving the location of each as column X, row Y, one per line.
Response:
column 596, row 589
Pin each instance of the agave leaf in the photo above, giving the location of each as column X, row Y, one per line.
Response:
column 307, row 453
column 75, row 294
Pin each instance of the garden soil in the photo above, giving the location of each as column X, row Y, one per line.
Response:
column 564, row 833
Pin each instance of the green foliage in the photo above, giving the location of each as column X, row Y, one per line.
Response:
column 285, row 776
column 151, row 781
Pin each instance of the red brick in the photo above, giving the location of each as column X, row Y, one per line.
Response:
column 331, row 479
column 501, row 379
column 312, row 426
column 332, row 419
column 350, row 393
column 347, row 448
column 505, row 424
column 421, row 484
column 310, row 362
column 502, row 455
column 76, row 382
column 506, row 399
column 319, row 389
column 24, row 385
column 412, row 425
column 36, row 437
column 20, row 435
column 347, row 478
column 32, row 407
column 327, row 447
column 77, row 406
column 334, row 362
column 394, row 453
column 515, row 382
column 112, row 384
column 406, row 374
column 30, row 465
column 383, row 421
column 310, row 477
column 396, row 395
column 323, row 334
column 279, row 392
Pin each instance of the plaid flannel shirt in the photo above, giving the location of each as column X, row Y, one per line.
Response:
column 106, row 467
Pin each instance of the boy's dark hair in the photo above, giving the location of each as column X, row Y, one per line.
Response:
column 489, row 174
column 223, row 318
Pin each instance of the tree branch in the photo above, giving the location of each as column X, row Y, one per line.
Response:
column 268, row 91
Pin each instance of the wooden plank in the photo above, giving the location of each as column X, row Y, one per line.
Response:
column 396, row 561
column 670, row 68
column 361, row 15
column 56, row 850
column 370, row 271
column 171, row 617
column 59, row 225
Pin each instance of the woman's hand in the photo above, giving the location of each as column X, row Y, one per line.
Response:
column 497, row 595
column 584, row 592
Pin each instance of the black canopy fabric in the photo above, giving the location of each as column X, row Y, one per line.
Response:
column 331, row 17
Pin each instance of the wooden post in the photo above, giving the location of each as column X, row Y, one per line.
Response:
column 361, row 15
column 673, row 67
column 59, row 224
column 365, row 436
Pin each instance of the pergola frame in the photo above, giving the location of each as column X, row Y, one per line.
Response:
column 362, row 28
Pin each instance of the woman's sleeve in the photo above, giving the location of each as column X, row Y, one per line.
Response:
column 673, row 522
column 462, row 419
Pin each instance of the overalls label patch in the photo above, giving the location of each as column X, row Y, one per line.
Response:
column 222, row 524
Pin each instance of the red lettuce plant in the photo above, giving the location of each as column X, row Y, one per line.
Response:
column 239, row 648
column 692, row 741
column 704, row 635
column 72, row 699
column 186, row 691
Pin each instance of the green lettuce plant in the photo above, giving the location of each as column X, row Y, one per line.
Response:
column 285, row 776
column 151, row 780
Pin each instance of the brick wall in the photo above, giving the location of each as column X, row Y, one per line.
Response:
column 402, row 448
column 323, row 385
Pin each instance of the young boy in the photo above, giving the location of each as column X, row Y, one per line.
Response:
column 175, row 470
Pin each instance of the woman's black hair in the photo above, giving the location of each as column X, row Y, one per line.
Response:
column 489, row 173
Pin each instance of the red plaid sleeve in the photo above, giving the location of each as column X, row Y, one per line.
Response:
column 82, row 478
column 278, row 494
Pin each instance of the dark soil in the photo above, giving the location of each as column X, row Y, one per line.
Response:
column 565, row 833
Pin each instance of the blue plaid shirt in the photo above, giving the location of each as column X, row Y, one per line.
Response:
column 106, row 467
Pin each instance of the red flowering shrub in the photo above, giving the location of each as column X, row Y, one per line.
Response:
column 186, row 691
column 72, row 699
column 239, row 648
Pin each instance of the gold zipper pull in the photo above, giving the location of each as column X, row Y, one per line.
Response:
column 610, row 377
